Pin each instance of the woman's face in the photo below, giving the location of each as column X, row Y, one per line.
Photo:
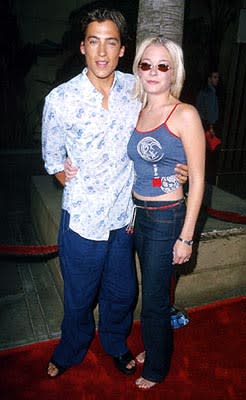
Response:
column 154, row 80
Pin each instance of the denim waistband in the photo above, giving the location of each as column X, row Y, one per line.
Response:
column 152, row 206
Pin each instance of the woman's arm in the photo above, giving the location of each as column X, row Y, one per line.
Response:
column 192, row 135
column 60, row 176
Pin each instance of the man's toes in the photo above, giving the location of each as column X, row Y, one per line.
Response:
column 52, row 370
column 131, row 364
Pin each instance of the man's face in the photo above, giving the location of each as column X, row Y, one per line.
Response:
column 214, row 78
column 102, row 49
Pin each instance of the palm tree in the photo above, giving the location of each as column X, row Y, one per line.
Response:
column 161, row 17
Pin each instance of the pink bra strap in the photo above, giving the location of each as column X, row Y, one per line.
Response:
column 169, row 115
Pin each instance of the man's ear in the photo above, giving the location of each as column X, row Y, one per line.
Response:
column 82, row 48
column 122, row 51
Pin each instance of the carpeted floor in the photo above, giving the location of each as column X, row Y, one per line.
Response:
column 208, row 364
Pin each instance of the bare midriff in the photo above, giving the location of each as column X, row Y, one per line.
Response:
column 175, row 195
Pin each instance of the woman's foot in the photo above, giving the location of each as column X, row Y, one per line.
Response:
column 144, row 384
column 140, row 358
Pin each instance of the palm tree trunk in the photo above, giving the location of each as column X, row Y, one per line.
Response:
column 161, row 17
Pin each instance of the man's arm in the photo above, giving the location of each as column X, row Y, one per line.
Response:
column 182, row 173
column 70, row 172
column 53, row 142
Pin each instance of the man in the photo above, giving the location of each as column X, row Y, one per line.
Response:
column 207, row 101
column 90, row 119
column 207, row 105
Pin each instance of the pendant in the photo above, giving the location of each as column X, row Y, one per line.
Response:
column 156, row 182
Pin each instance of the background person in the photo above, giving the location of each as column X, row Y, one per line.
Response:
column 209, row 108
column 207, row 102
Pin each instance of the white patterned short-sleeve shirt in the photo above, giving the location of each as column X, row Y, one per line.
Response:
column 75, row 124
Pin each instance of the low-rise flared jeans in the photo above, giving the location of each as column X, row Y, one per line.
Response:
column 155, row 234
column 100, row 272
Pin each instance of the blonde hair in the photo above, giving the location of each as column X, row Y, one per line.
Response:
column 176, row 55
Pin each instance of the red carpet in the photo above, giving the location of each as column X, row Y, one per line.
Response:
column 208, row 364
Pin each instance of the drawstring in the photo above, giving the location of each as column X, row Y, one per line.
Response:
column 130, row 226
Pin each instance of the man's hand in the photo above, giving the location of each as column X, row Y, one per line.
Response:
column 69, row 170
column 182, row 173
column 68, row 173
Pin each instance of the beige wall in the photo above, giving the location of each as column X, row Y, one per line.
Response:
column 39, row 20
column 44, row 19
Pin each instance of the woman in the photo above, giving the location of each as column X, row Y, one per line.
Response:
column 168, row 132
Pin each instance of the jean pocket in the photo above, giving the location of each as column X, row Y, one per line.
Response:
column 164, row 224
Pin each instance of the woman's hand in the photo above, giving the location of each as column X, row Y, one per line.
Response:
column 69, row 170
column 181, row 252
column 182, row 173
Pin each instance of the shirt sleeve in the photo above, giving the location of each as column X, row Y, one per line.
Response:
column 53, row 136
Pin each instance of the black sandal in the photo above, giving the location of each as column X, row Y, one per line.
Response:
column 59, row 368
column 121, row 363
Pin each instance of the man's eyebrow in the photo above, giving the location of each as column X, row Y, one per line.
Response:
column 92, row 37
column 107, row 38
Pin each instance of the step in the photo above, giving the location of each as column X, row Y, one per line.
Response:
column 216, row 268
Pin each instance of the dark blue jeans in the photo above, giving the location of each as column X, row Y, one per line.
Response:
column 155, row 235
column 95, row 271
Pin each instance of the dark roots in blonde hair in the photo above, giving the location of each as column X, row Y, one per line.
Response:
column 176, row 55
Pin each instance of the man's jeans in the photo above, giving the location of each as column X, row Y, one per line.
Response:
column 95, row 271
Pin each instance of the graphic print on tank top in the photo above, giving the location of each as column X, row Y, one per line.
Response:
column 152, row 151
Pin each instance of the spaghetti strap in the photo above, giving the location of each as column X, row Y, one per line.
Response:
column 169, row 115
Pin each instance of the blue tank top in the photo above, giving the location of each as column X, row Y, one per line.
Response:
column 155, row 154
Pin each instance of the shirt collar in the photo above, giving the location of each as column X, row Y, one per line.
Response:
column 211, row 87
column 91, row 92
column 116, row 86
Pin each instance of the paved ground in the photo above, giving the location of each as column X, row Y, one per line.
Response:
column 30, row 305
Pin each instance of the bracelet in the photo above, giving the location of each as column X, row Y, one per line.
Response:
column 189, row 242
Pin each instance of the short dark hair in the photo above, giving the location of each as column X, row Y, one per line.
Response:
column 212, row 71
column 104, row 14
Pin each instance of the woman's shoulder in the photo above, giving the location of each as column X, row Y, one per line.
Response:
column 185, row 118
column 187, row 107
column 186, row 110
